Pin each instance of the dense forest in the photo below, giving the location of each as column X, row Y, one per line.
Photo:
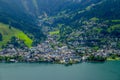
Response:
column 0, row 37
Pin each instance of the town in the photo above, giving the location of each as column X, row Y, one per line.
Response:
column 46, row 53
column 76, row 47
column 66, row 45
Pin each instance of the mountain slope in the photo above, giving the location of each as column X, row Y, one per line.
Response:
column 24, row 13
column 107, row 9
column 91, row 21
column 95, row 25
column 8, row 33
column 17, row 16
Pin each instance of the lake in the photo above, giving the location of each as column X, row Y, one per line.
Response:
column 84, row 71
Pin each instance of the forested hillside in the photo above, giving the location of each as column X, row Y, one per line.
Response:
column 23, row 14
column 94, row 25
column 92, row 22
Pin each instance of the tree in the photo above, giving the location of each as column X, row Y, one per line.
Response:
column 0, row 37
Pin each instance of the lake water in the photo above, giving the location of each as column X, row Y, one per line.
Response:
column 83, row 71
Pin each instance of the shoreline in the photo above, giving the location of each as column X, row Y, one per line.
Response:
column 64, row 64
column 111, row 59
column 60, row 63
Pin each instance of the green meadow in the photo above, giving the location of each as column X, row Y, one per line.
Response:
column 54, row 32
column 8, row 33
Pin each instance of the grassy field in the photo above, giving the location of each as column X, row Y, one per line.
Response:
column 111, row 59
column 55, row 32
column 115, row 20
column 94, row 19
column 113, row 28
column 9, row 33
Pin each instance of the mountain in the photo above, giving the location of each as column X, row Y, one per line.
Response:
column 9, row 32
column 88, row 22
column 96, row 24
column 102, row 9
column 23, row 14
column 17, row 16
column 106, row 9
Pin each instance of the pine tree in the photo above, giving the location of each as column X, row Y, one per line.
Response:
column 0, row 37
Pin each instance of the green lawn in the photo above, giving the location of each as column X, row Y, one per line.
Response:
column 54, row 32
column 9, row 33
column 114, row 28
column 111, row 59
column 115, row 20
column 94, row 19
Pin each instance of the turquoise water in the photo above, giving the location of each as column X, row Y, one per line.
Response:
column 83, row 71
